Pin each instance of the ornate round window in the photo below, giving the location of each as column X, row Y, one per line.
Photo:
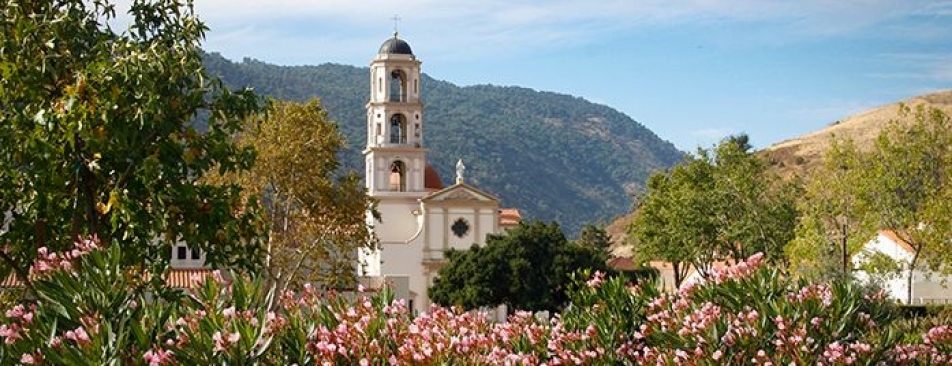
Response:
column 460, row 227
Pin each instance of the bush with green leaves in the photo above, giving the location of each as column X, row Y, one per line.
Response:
column 85, row 308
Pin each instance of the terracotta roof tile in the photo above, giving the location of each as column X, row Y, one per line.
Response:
column 622, row 264
column 509, row 217
column 11, row 281
column 185, row 278
column 176, row 278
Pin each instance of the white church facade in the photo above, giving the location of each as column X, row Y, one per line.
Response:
column 420, row 218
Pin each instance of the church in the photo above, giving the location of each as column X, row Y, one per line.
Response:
column 420, row 218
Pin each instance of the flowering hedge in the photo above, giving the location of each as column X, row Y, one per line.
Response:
column 89, row 310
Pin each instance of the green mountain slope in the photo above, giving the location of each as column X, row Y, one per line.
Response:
column 553, row 156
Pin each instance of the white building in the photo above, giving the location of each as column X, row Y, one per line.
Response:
column 927, row 288
column 420, row 218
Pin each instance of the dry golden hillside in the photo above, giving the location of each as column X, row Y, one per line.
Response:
column 797, row 156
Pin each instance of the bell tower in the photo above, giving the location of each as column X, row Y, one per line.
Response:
column 395, row 157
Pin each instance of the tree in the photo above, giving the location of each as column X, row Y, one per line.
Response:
column 317, row 220
column 754, row 210
column 595, row 237
column 670, row 223
column 718, row 205
column 527, row 268
column 832, row 220
column 96, row 136
column 907, row 187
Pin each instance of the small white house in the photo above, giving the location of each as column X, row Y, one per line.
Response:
column 927, row 287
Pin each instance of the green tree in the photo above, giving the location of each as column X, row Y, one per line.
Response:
column 832, row 220
column 595, row 237
column 671, row 223
column 527, row 268
column 719, row 204
column 317, row 220
column 754, row 210
column 96, row 136
column 907, row 187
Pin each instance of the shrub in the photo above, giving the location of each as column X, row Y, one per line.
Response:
column 85, row 308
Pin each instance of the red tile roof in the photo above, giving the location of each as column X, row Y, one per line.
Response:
column 509, row 217
column 622, row 264
column 185, row 278
column 11, row 281
column 176, row 278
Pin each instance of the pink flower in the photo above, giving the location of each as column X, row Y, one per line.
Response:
column 596, row 279
column 27, row 359
column 78, row 335
column 219, row 342
column 229, row 312
column 156, row 357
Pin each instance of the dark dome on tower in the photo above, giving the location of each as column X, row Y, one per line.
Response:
column 395, row 46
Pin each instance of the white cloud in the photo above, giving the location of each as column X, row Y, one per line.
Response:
column 460, row 29
column 922, row 66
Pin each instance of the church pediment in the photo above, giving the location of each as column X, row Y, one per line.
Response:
column 461, row 192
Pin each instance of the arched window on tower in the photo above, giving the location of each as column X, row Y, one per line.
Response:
column 398, row 129
column 398, row 86
column 398, row 176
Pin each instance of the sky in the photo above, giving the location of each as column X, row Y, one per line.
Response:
column 692, row 71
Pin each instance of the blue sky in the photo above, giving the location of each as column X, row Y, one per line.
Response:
column 693, row 71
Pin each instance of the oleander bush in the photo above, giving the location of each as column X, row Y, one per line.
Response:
column 82, row 307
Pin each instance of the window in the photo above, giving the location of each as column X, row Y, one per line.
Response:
column 460, row 228
column 398, row 176
column 196, row 254
column 398, row 129
column 181, row 252
column 398, row 86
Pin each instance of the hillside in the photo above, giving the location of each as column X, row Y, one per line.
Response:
column 553, row 156
column 798, row 155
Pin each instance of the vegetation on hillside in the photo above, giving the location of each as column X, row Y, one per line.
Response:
column 553, row 156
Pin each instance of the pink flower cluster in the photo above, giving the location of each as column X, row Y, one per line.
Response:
column 19, row 318
column 157, row 356
column 47, row 262
column 440, row 335
column 819, row 292
column 738, row 271
column 596, row 279
column 790, row 325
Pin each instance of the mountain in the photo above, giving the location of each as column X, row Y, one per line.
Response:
column 796, row 157
column 553, row 156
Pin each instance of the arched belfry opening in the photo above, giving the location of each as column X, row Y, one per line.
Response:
column 398, row 86
column 398, row 176
column 398, row 129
